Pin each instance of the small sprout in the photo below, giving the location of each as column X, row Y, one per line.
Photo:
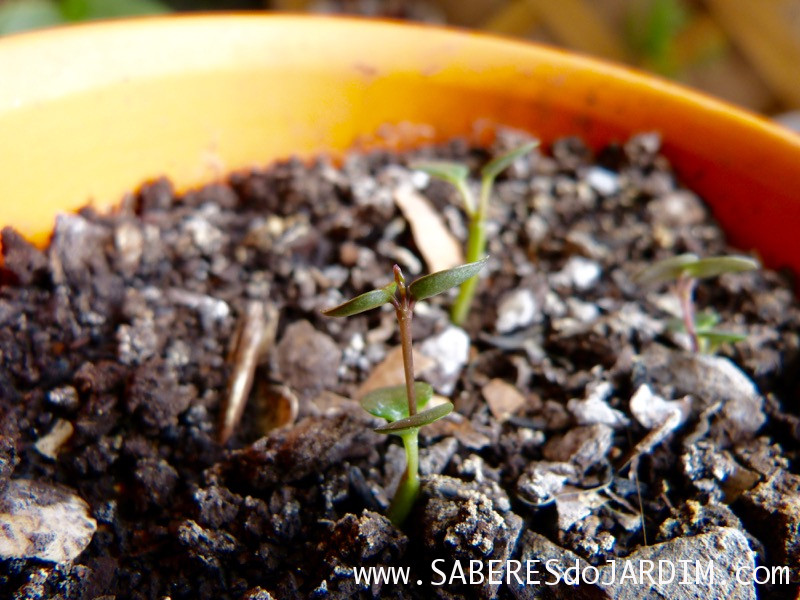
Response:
column 684, row 271
column 709, row 338
column 457, row 175
column 401, row 405
column 691, row 265
column 453, row 173
column 665, row 270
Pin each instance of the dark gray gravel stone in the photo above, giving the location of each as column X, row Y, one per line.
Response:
column 701, row 566
column 775, row 505
column 368, row 540
column 467, row 521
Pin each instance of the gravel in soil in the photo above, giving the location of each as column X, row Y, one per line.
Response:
column 584, row 431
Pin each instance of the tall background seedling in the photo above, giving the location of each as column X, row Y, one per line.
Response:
column 684, row 271
column 401, row 405
column 458, row 175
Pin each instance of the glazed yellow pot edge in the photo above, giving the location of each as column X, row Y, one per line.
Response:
column 89, row 112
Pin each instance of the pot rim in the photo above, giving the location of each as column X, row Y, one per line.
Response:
column 67, row 100
column 16, row 44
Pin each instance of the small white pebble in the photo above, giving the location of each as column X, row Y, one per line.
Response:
column 450, row 352
column 516, row 310
column 579, row 272
column 585, row 312
column 652, row 410
column 603, row 181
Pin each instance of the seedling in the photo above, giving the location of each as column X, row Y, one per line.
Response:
column 401, row 405
column 457, row 174
column 684, row 271
column 709, row 338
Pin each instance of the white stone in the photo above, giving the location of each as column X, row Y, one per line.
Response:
column 554, row 306
column 603, row 181
column 579, row 272
column 544, row 480
column 595, row 409
column 450, row 351
column 212, row 310
column 537, row 228
column 709, row 379
column 585, row 312
column 652, row 410
column 587, row 244
column 575, row 504
column 630, row 318
column 205, row 236
column 517, row 309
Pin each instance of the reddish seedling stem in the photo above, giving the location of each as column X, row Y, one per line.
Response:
column 404, row 310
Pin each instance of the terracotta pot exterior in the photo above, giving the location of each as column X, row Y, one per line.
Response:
column 89, row 112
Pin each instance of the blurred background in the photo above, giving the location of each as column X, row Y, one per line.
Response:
column 745, row 51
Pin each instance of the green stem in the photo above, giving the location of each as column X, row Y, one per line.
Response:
column 408, row 489
column 476, row 248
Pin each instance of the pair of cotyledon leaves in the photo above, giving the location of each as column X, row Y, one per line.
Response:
column 420, row 289
column 458, row 173
column 391, row 403
column 705, row 328
column 691, row 265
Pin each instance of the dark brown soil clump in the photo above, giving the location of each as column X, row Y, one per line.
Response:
column 118, row 346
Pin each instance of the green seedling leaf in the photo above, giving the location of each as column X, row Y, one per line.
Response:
column 717, row 337
column 717, row 265
column 497, row 165
column 391, row 403
column 455, row 174
column 693, row 266
column 436, row 283
column 452, row 172
column 418, row 420
column 362, row 303
column 712, row 339
column 666, row 270
column 704, row 321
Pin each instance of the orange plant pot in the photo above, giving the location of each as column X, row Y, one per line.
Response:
column 89, row 112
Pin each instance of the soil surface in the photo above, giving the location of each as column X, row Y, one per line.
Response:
column 585, row 433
